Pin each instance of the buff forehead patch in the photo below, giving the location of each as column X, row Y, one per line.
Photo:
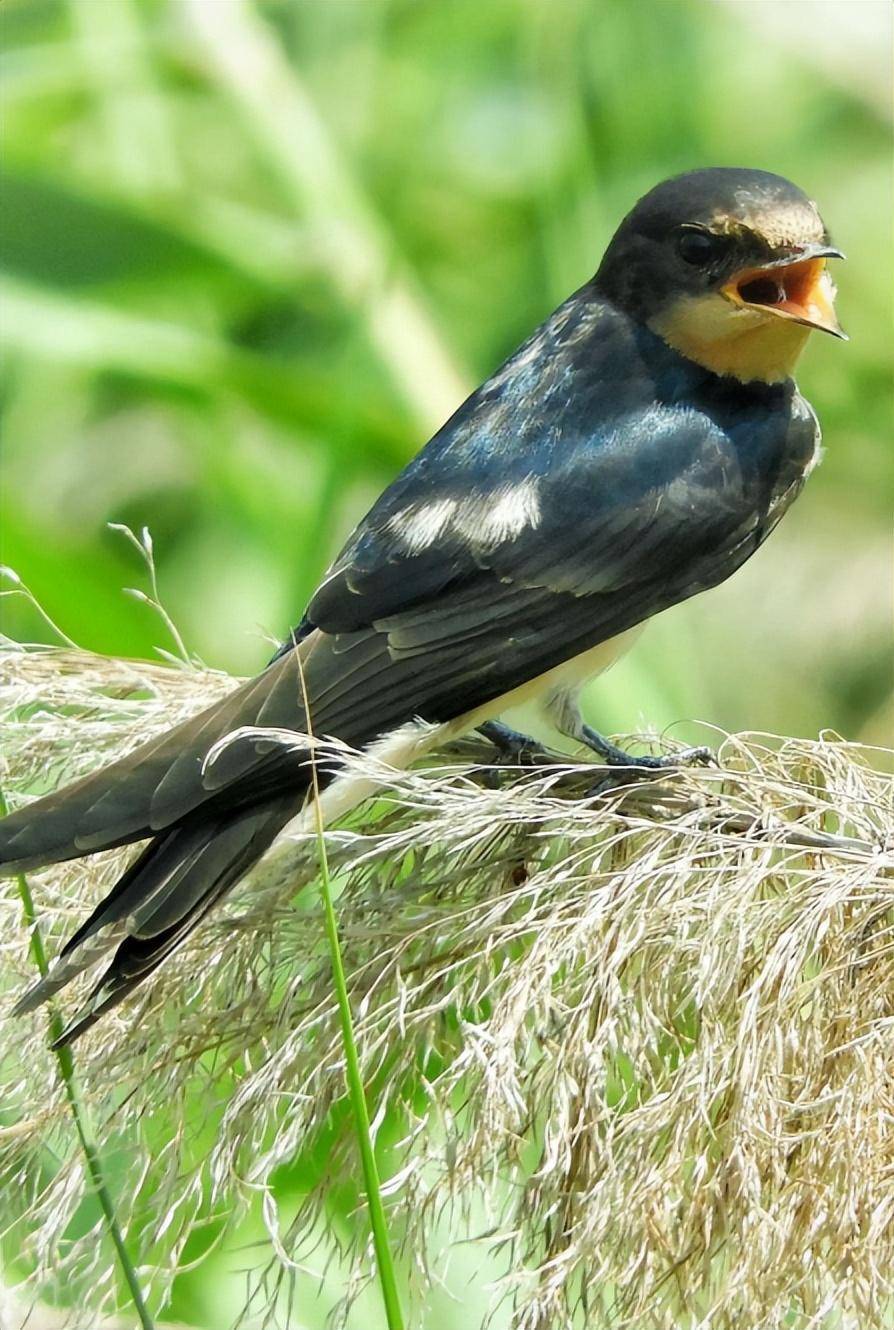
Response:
column 780, row 224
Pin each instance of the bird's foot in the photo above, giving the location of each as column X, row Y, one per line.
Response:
column 614, row 756
column 513, row 747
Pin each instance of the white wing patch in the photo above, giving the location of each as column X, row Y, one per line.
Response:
column 485, row 520
column 505, row 515
column 420, row 527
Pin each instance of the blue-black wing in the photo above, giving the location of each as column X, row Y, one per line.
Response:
column 590, row 483
column 555, row 510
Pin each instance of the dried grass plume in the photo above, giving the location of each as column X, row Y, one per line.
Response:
column 647, row 1033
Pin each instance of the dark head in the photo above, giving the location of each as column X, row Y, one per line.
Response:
column 729, row 267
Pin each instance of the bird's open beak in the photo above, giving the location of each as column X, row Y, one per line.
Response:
column 797, row 288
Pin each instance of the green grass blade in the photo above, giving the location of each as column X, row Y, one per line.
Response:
column 89, row 1148
column 353, row 1079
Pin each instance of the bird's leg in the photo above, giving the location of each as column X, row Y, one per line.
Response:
column 512, row 745
column 565, row 714
column 619, row 757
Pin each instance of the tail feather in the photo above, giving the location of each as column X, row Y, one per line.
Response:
column 164, row 781
column 156, row 904
column 206, row 822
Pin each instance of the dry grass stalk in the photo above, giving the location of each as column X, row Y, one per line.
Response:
column 650, row 1031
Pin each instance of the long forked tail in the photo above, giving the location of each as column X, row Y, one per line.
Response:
column 158, row 901
column 208, row 812
column 206, row 824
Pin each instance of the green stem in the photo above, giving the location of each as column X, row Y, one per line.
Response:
column 377, row 1219
column 353, row 1079
column 92, row 1157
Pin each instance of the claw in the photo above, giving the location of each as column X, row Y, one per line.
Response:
column 701, row 756
column 513, row 747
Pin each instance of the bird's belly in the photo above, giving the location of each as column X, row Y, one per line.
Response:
column 570, row 676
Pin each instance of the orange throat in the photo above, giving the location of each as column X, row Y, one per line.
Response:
column 743, row 342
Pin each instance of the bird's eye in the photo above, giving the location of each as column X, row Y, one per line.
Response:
column 698, row 247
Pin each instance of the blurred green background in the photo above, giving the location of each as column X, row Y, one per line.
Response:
column 254, row 253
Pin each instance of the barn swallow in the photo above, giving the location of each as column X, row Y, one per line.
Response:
column 635, row 450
